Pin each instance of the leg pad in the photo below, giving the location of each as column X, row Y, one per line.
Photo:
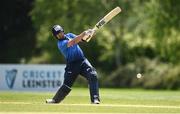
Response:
column 61, row 93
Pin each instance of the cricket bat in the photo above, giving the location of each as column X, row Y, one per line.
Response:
column 104, row 20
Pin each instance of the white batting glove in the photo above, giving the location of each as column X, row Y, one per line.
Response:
column 91, row 32
column 88, row 34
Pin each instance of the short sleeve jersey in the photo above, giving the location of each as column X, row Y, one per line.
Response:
column 72, row 53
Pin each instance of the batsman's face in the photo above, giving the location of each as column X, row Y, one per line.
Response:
column 60, row 35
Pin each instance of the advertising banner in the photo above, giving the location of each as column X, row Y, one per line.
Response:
column 31, row 77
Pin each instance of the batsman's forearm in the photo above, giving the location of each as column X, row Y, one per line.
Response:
column 76, row 40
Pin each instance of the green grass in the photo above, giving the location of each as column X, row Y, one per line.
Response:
column 112, row 101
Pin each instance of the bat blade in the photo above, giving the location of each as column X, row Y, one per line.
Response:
column 106, row 19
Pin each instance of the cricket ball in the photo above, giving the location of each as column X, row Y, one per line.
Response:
column 139, row 75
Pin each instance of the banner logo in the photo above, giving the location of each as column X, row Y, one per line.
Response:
column 10, row 77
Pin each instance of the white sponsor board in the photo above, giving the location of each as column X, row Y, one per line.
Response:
column 31, row 77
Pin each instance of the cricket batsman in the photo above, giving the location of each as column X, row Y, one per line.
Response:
column 77, row 64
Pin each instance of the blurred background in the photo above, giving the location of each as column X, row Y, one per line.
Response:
column 144, row 38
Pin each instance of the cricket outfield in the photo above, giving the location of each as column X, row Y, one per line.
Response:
column 112, row 101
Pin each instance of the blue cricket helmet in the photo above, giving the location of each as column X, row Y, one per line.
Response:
column 57, row 29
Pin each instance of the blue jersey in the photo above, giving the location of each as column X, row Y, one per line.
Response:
column 72, row 53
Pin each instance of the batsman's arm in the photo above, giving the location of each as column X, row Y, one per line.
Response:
column 76, row 40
